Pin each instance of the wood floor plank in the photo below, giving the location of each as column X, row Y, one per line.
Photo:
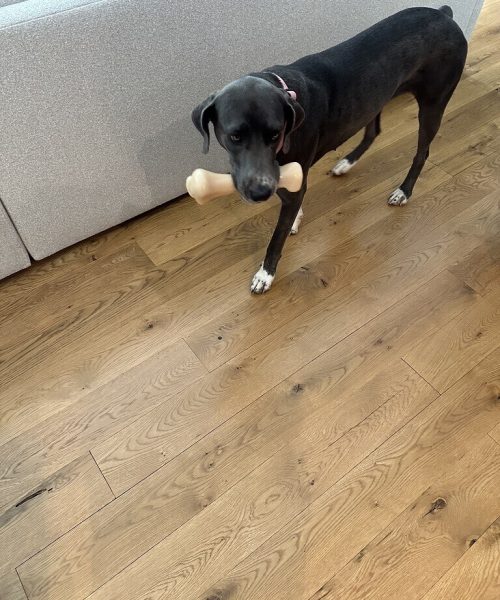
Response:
column 37, row 378
column 335, row 528
column 59, row 503
column 495, row 433
column 226, row 336
column 467, row 339
column 481, row 268
column 50, row 443
column 495, row 143
column 213, row 471
column 10, row 586
column 483, row 58
column 47, row 371
column 193, row 222
column 489, row 75
column 476, row 575
column 138, row 450
column 286, row 483
column 129, row 283
column 166, row 499
column 17, row 288
column 304, row 478
column 467, row 91
column 458, row 150
column 428, row 537
column 47, row 303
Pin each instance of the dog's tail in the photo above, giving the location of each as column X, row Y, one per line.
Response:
column 447, row 11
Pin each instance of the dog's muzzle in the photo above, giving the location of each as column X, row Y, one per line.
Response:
column 259, row 189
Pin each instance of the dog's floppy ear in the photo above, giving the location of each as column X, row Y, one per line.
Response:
column 294, row 115
column 201, row 116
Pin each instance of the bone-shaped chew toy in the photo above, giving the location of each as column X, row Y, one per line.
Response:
column 204, row 186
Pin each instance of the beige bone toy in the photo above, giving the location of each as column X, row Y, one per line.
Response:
column 204, row 186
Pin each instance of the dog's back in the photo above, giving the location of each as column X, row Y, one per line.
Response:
column 410, row 39
column 416, row 50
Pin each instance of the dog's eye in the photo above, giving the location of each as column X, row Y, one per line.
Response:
column 275, row 136
column 236, row 137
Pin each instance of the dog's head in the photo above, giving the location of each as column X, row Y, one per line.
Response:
column 252, row 120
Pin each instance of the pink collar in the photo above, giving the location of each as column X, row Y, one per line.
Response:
column 291, row 93
column 281, row 142
column 293, row 96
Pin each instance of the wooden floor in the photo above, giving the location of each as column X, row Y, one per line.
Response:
column 165, row 435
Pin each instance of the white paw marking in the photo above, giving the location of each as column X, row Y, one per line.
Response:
column 296, row 224
column 397, row 198
column 261, row 282
column 342, row 167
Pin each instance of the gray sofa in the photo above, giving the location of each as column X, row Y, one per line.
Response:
column 96, row 98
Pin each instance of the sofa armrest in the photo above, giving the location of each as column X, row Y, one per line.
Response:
column 13, row 255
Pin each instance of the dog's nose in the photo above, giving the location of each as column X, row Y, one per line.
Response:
column 260, row 191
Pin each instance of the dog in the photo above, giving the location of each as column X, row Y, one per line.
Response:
column 301, row 111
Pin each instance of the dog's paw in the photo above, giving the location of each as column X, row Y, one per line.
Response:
column 397, row 198
column 261, row 282
column 296, row 224
column 342, row 167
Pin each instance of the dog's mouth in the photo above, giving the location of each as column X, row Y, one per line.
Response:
column 249, row 199
column 257, row 189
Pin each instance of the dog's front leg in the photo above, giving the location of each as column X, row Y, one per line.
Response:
column 290, row 206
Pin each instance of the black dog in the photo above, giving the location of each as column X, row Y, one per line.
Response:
column 262, row 123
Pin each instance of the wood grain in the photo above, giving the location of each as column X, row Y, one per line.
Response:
column 477, row 574
column 192, row 485
column 481, row 268
column 197, row 477
column 465, row 135
column 128, row 287
column 45, row 304
column 495, row 433
column 142, row 447
column 54, row 269
column 77, row 336
column 428, row 537
column 10, row 585
column 192, row 222
column 323, row 450
column 49, row 444
column 396, row 472
column 466, row 339
column 320, row 540
column 61, row 501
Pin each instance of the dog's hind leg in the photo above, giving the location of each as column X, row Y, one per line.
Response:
column 429, row 118
column 372, row 130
